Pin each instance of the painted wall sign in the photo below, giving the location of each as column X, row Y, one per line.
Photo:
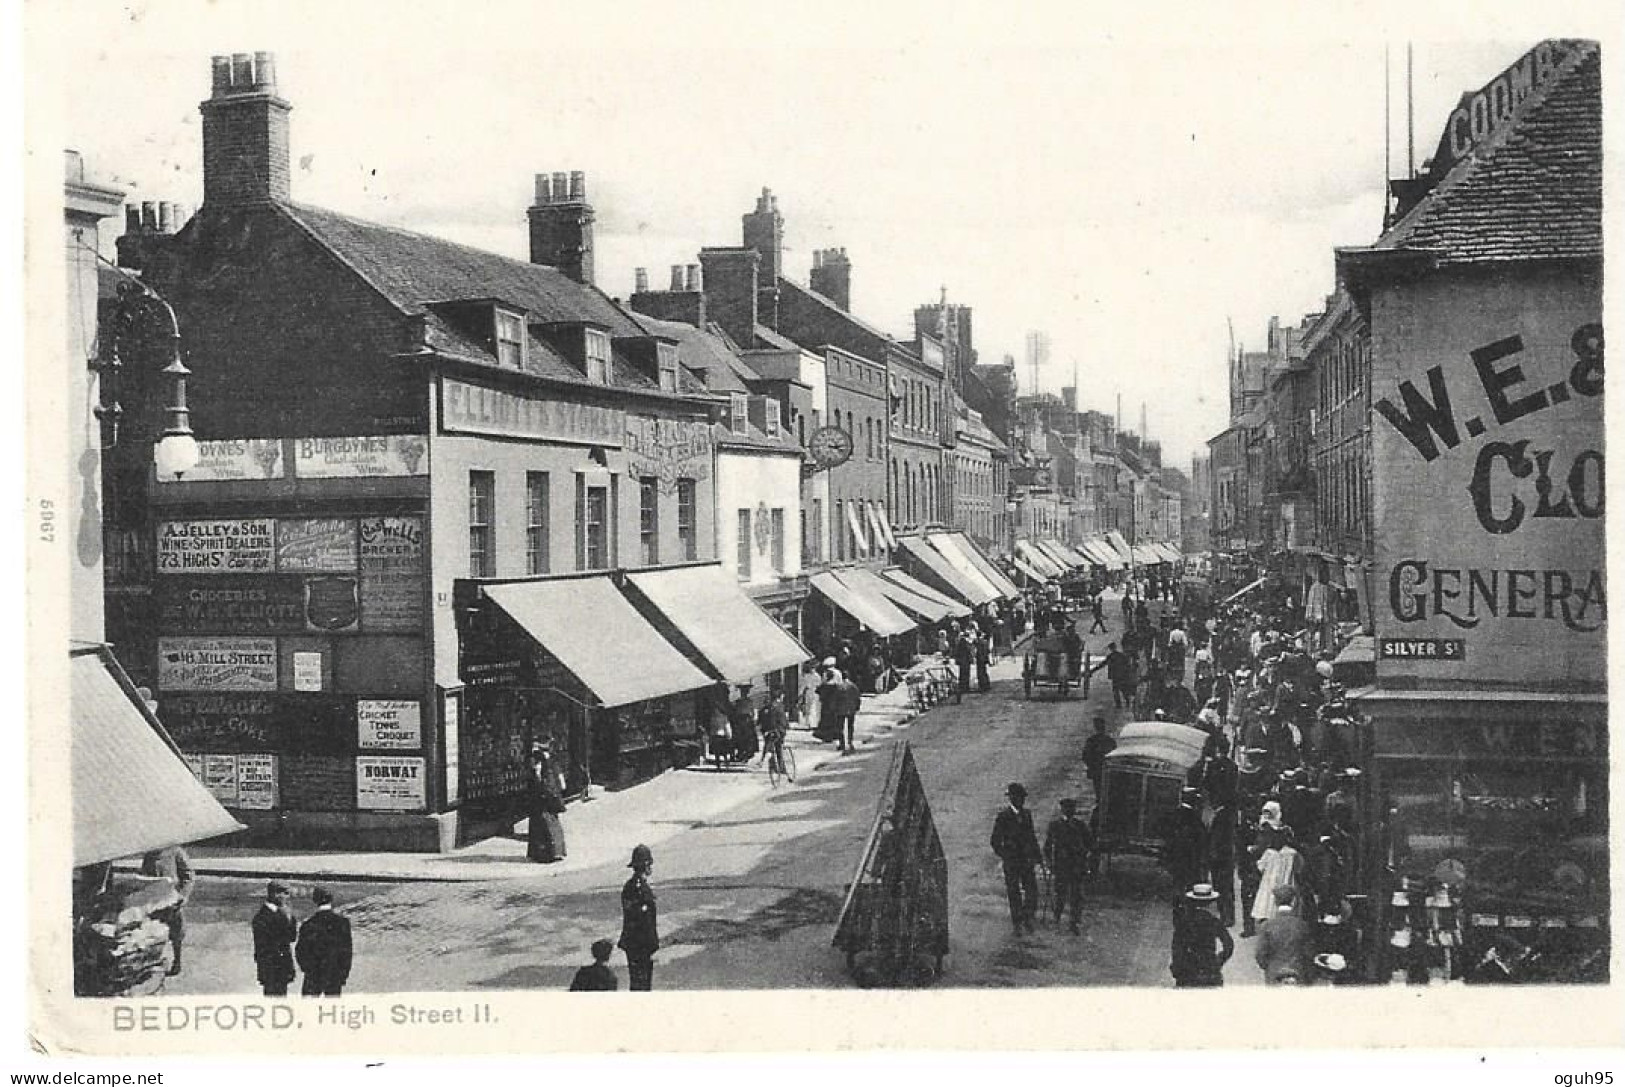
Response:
column 389, row 783
column 234, row 546
column 396, row 723
column 332, row 604
column 1489, row 480
column 667, row 449
column 236, row 458
column 392, row 573
column 232, row 603
column 321, row 544
column 1481, row 112
column 222, row 722
column 1431, row 649
column 350, row 457
column 1519, row 739
column 256, row 782
column 475, row 409
column 217, row 664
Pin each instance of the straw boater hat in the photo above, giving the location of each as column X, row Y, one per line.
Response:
column 1202, row 892
column 1334, row 963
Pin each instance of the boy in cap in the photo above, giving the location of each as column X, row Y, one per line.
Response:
column 324, row 948
column 1016, row 844
column 275, row 930
column 597, row 977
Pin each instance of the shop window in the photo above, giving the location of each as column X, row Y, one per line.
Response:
column 745, row 544
column 482, row 558
column 777, row 546
column 538, row 502
column 687, row 519
column 649, row 519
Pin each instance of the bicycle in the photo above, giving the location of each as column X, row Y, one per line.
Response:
column 781, row 760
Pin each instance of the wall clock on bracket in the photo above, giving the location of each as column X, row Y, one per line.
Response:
column 830, row 446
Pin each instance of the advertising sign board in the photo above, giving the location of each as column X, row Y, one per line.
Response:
column 389, row 783
column 217, row 664
column 224, row 546
column 389, row 723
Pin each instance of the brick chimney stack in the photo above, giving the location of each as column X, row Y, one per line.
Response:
column 561, row 233
column 730, row 280
column 832, row 276
column 148, row 226
column 764, row 232
column 245, row 134
column 682, row 302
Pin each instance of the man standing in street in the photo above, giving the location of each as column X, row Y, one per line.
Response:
column 324, row 948
column 1097, row 615
column 1016, row 844
column 964, row 656
column 1201, row 945
column 1117, row 671
column 640, row 930
column 174, row 865
column 1095, row 750
column 851, row 703
column 1067, row 843
column 275, row 930
column 1185, row 854
column 1285, row 943
column 1221, row 860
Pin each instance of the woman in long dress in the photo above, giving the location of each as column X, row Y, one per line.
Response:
column 1278, row 867
column 546, row 803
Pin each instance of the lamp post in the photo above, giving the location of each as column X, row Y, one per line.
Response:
column 176, row 451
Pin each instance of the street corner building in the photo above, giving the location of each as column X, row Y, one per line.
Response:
column 447, row 505
column 1483, row 299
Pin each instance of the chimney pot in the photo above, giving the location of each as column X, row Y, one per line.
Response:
column 222, row 74
column 578, row 185
column 242, row 70
column 543, row 189
column 132, row 219
column 676, row 277
column 818, row 258
column 265, row 70
column 640, row 279
column 166, row 217
column 694, row 277
column 561, row 186
column 149, row 216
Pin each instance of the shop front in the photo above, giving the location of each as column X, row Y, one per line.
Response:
column 1492, row 843
column 571, row 661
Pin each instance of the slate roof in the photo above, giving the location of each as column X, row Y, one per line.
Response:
column 835, row 310
column 1532, row 190
column 708, row 353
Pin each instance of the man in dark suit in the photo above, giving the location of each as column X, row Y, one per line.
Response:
column 1016, row 844
column 324, row 948
column 1185, row 855
column 1095, row 750
column 640, row 931
column 275, row 930
column 1201, row 945
column 1067, row 843
column 1286, row 943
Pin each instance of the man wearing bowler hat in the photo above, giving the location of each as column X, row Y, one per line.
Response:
column 275, row 930
column 1016, row 844
column 640, row 934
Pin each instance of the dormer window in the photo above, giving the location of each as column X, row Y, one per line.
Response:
column 666, row 357
column 770, row 415
column 738, row 413
column 510, row 338
column 597, row 356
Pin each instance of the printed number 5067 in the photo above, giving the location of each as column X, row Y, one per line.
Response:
column 47, row 520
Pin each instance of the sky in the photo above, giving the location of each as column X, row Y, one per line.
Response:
column 1129, row 184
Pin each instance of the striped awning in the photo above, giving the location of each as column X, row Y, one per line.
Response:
column 1029, row 573
column 902, row 580
column 1038, row 560
column 984, row 565
column 729, row 631
column 930, row 566
column 868, row 607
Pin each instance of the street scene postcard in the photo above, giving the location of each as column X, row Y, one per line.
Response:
column 945, row 527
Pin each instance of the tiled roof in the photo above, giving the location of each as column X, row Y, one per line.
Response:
column 412, row 270
column 1532, row 190
column 766, row 337
column 829, row 304
column 700, row 352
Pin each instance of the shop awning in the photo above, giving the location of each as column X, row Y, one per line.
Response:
column 1103, row 554
column 872, row 584
column 979, row 559
column 732, row 635
column 1119, row 544
column 1239, row 593
column 859, row 535
column 1173, row 553
column 869, row 608
column 595, row 632
column 949, row 546
column 1028, row 572
column 1053, row 554
column 932, row 568
column 914, row 585
column 1145, row 556
column 1038, row 560
column 885, row 525
column 1070, row 553
column 131, row 792
column 872, row 518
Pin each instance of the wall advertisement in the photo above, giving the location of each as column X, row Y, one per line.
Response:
column 667, row 449
column 236, row 458
column 217, row 664
column 1488, row 441
column 230, row 546
column 389, row 783
column 353, row 457
column 476, row 409
column 392, row 573
column 323, row 544
column 256, row 782
column 389, row 723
